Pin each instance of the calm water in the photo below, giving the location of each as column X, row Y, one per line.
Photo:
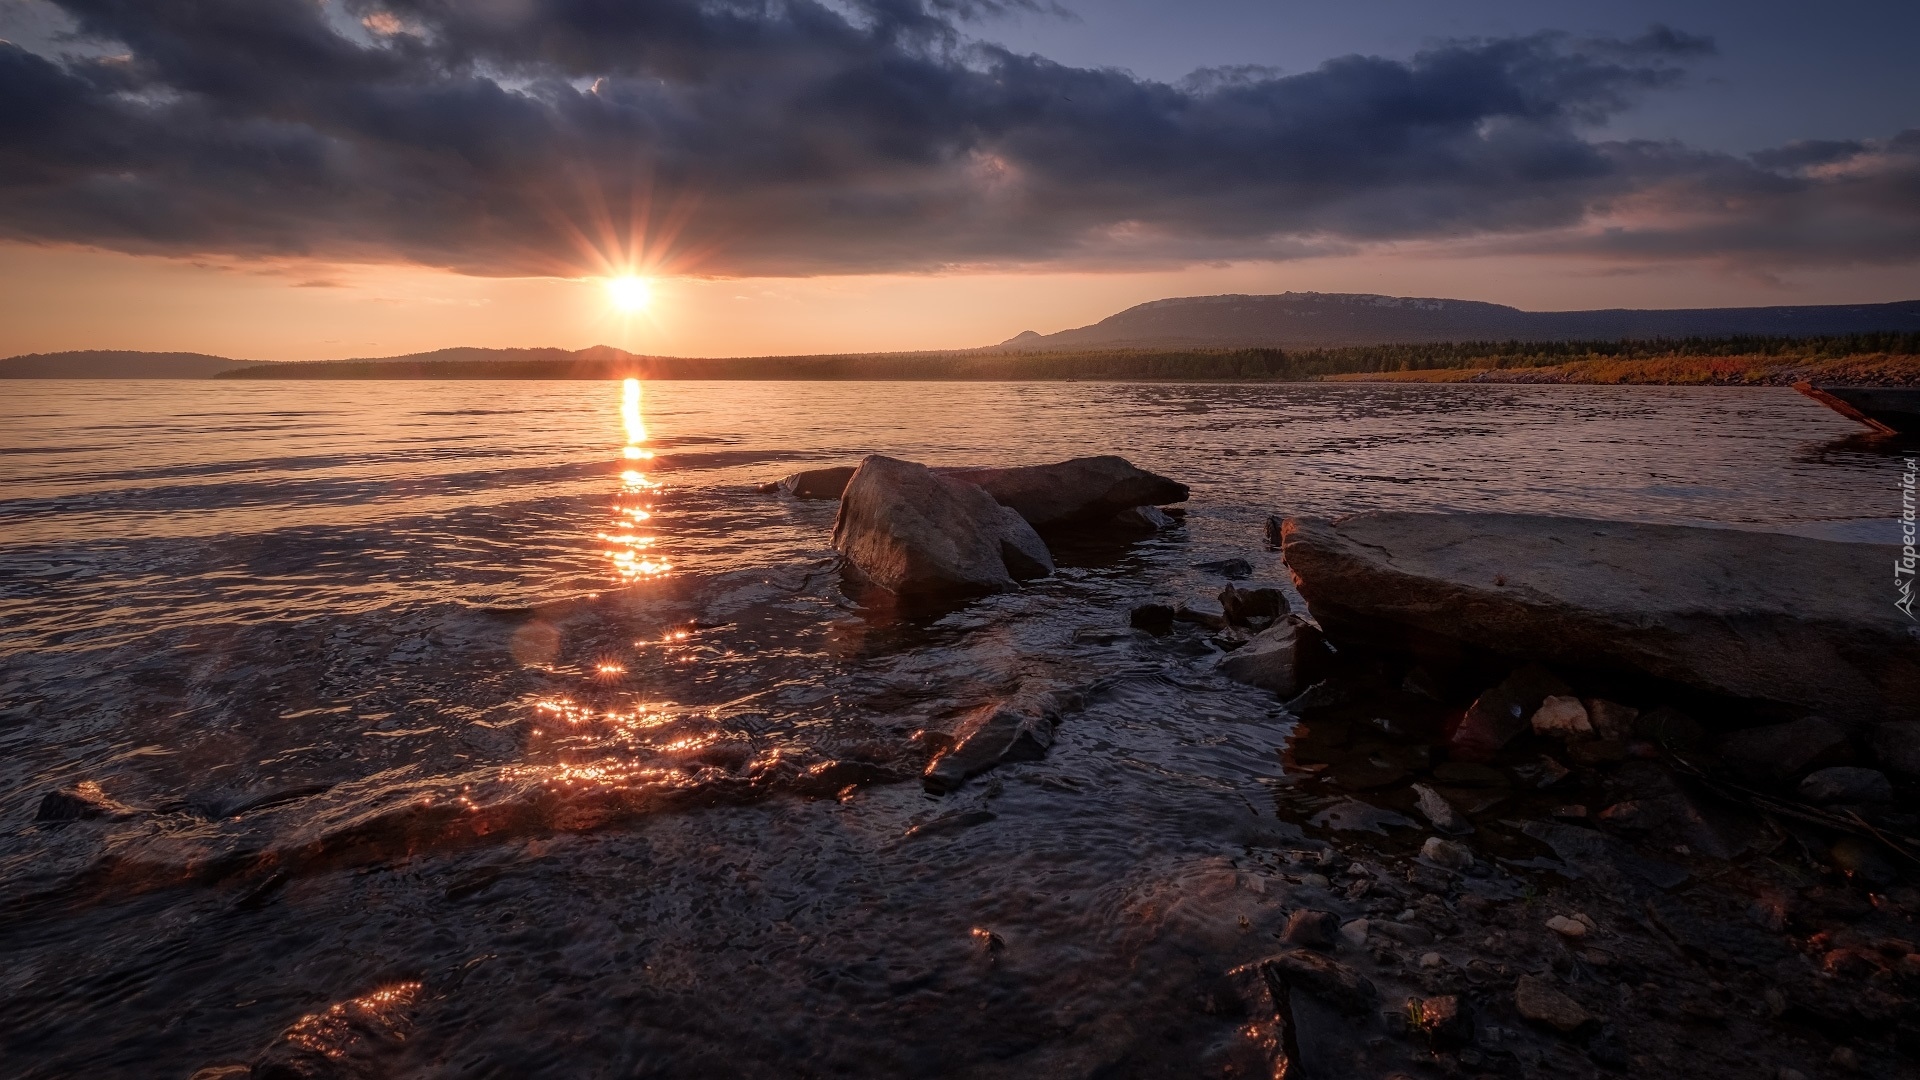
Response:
column 567, row 763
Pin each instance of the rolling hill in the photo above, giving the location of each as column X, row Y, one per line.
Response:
column 118, row 364
column 1299, row 320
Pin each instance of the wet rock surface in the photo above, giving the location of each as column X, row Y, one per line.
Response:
column 932, row 541
column 1082, row 491
column 1746, row 615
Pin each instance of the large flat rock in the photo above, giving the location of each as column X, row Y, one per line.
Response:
column 1756, row 616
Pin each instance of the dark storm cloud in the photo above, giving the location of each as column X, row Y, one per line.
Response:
column 787, row 136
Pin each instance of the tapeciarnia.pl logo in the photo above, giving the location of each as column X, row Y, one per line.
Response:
column 1903, row 567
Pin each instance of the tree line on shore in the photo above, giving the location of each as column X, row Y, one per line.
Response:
column 1113, row 364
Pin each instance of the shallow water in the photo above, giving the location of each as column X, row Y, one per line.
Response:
column 403, row 706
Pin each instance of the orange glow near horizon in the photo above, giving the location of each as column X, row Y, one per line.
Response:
column 55, row 299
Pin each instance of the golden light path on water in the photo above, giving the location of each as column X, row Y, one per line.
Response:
column 632, row 550
column 605, row 744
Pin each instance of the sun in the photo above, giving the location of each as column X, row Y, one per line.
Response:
column 630, row 293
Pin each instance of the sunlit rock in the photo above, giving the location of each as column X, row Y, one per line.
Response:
column 84, row 801
column 1745, row 615
column 931, row 540
column 1081, row 491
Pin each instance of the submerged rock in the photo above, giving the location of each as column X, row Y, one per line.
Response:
column 1155, row 619
column 930, row 540
column 1017, row 730
column 1245, row 607
column 1144, row 518
column 1747, row 615
column 1278, row 658
column 1077, row 492
column 1231, row 569
column 84, row 801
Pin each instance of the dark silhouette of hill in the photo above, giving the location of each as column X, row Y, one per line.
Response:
column 1331, row 320
column 117, row 364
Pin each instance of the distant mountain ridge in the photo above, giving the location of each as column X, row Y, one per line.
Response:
column 118, row 364
column 1331, row 320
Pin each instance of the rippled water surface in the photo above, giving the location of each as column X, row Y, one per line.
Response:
column 438, row 712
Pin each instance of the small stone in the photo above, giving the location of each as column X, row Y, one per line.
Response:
column 1243, row 606
column 1446, row 853
column 1432, row 960
column 1539, row 1001
column 1435, row 808
column 1442, row 1020
column 1541, row 774
column 1597, row 957
column 1610, row 719
column 1776, row 1002
column 1314, row 929
column 1631, row 816
column 1562, row 717
column 1155, row 619
column 1500, row 714
column 1846, row 784
column 1565, row 927
column 1844, row 1059
column 1405, row 933
column 1315, row 881
column 1355, row 932
column 1571, row 812
column 1791, row 1074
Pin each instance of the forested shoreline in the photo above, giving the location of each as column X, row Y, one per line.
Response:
column 1883, row 357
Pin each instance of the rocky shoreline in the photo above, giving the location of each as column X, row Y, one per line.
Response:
column 1576, row 798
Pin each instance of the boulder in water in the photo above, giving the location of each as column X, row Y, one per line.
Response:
column 1082, row 491
column 1764, row 617
column 930, row 540
column 816, row 483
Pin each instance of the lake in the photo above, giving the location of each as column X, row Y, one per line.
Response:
column 466, row 745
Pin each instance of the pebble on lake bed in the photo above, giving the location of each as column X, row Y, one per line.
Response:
column 1446, row 853
column 1538, row 1000
column 1565, row 927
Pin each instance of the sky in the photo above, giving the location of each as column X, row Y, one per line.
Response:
column 301, row 179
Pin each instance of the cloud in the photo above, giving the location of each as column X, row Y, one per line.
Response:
column 789, row 137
